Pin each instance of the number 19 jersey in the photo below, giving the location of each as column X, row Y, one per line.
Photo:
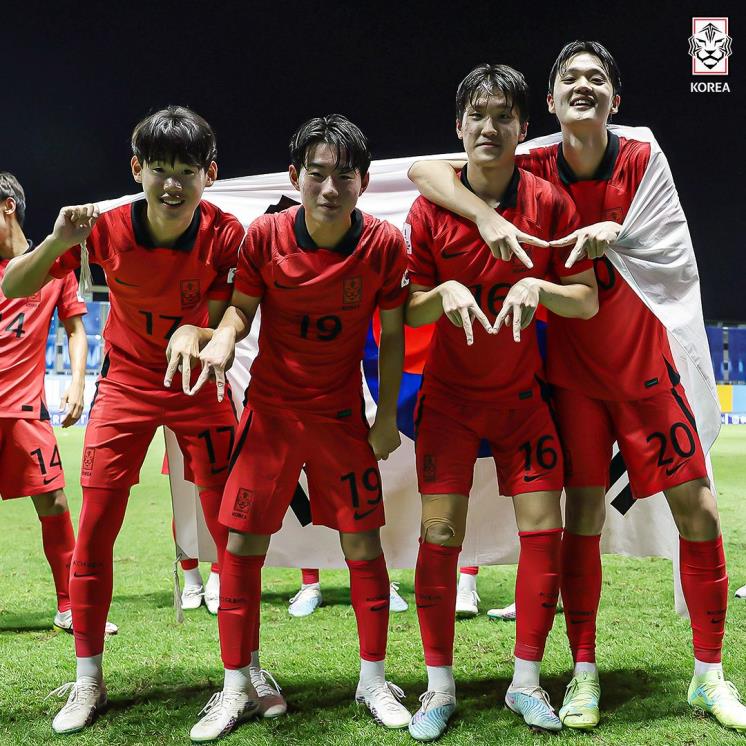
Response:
column 317, row 305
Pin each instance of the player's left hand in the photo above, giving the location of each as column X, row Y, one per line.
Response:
column 182, row 352
column 71, row 404
column 216, row 358
column 519, row 306
column 593, row 241
column 384, row 437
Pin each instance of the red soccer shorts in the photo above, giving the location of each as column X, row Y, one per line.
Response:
column 29, row 459
column 344, row 483
column 657, row 438
column 124, row 419
column 524, row 445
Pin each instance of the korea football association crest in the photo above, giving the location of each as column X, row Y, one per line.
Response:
column 710, row 46
column 190, row 294
column 352, row 291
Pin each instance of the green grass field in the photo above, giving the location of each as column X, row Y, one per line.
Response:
column 160, row 673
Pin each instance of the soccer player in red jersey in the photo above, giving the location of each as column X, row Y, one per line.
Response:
column 168, row 261
column 318, row 272
column 614, row 379
column 489, row 387
column 30, row 461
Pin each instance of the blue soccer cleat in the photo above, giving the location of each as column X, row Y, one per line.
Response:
column 431, row 720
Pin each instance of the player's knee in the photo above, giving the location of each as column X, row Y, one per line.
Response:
column 695, row 510
column 442, row 531
column 362, row 546
column 50, row 503
column 246, row 545
column 585, row 512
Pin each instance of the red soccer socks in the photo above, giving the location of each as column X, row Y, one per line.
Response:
column 369, row 592
column 536, row 591
column 435, row 594
column 91, row 578
column 58, row 541
column 238, row 613
column 704, row 581
column 309, row 576
column 581, row 593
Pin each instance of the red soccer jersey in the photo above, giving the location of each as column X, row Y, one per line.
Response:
column 316, row 308
column 24, row 327
column 153, row 290
column 620, row 353
column 444, row 246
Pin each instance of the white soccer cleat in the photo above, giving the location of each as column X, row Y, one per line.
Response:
column 305, row 601
column 396, row 602
column 86, row 698
column 271, row 702
column 64, row 621
column 191, row 597
column 382, row 699
column 506, row 614
column 212, row 593
column 224, row 712
column 741, row 592
column 467, row 604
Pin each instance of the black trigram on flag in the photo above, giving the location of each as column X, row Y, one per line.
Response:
column 619, row 483
column 301, row 505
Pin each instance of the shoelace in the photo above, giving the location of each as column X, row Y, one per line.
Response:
column 427, row 697
column 299, row 594
column 580, row 693
column 389, row 695
column 75, row 687
column 538, row 696
column 395, row 586
column 192, row 590
column 260, row 683
column 733, row 693
column 473, row 594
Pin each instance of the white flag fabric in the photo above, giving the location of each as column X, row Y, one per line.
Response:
column 654, row 254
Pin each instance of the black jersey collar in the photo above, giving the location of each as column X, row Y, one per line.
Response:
column 346, row 246
column 605, row 169
column 510, row 196
column 185, row 242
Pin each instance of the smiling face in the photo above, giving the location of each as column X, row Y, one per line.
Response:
column 328, row 190
column 583, row 95
column 491, row 130
column 173, row 190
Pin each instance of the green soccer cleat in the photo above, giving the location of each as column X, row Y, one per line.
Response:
column 712, row 693
column 580, row 706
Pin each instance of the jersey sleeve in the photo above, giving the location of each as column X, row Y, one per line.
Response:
column 248, row 279
column 226, row 259
column 70, row 303
column 565, row 220
column 394, row 290
column 68, row 262
column 418, row 235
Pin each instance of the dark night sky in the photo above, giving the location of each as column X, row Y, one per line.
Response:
column 77, row 78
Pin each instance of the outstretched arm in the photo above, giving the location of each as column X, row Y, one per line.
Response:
column 28, row 273
column 439, row 182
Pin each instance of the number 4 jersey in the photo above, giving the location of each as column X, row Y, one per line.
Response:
column 24, row 327
column 317, row 305
column 153, row 290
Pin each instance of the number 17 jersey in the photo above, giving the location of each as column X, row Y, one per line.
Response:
column 317, row 304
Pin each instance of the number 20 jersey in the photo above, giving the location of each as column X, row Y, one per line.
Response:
column 152, row 289
column 317, row 304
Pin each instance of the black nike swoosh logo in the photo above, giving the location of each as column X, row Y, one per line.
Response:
column 426, row 606
column 51, row 479
column 451, row 254
column 676, row 468
column 87, row 575
column 122, row 282
column 213, row 470
column 535, row 477
column 716, row 621
column 285, row 287
column 381, row 607
column 360, row 516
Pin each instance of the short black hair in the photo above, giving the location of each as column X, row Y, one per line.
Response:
column 486, row 79
column 11, row 187
column 174, row 133
column 337, row 131
column 591, row 47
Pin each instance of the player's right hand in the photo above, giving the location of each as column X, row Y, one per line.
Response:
column 74, row 224
column 461, row 309
column 216, row 358
column 504, row 239
column 182, row 353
